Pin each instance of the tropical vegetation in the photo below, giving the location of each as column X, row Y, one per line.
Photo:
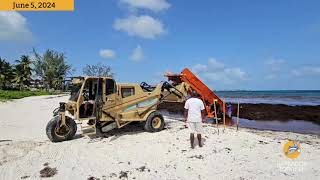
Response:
column 16, row 94
column 41, row 74
column 51, row 67
column 29, row 77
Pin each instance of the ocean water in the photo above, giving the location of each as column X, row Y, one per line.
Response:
column 288, row 97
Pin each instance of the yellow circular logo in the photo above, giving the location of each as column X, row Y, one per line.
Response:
column 292, row 149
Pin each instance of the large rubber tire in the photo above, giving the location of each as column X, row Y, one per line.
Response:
column 154, row 122
column 54, row 136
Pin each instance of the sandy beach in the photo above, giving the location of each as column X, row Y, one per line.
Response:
column 132, row 153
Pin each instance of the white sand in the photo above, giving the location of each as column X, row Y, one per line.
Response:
column 246, row 154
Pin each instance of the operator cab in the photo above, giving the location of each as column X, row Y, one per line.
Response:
column 88, row 98
column 94, row 92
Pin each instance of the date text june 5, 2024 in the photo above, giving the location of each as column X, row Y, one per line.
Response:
column 32, row 5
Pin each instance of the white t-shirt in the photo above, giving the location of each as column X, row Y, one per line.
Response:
column 194, row 107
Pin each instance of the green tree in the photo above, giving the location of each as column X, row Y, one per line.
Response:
column 97, row 70
column 6, row 73
column 23, row 71
column 51, row 67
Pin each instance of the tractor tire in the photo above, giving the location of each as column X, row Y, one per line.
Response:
column 154, row 122
column 55, row 134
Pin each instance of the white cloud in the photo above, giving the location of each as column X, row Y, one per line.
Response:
column 271, row 76
column 275, row 64
column 216, row 71
column 141, row 26
column 13, row 27
column 153, row 5
column 306, row 71
column 200, row 68
column 215, row 64
column 137, row 54
column 107, row 53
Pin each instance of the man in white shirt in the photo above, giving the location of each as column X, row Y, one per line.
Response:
column 194, row 114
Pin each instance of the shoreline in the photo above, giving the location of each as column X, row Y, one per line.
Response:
column 262, row 111
column 280, row 118
column 281, row 131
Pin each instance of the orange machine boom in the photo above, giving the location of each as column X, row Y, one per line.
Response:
column 207, row 95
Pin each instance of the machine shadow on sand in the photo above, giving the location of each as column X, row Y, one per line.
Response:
column 133, row 128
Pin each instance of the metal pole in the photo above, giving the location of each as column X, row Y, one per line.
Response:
column 224, row 115
column 215, row 114
column 238, row 115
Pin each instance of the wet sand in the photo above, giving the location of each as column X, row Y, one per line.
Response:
column 297, row 126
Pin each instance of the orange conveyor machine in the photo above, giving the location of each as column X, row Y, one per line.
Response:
column 207, row 95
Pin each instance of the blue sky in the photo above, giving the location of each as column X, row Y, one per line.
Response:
column 230, row 44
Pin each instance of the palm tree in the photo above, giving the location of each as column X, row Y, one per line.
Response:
column 2, row 72
column 6, row 73
column 23, row 71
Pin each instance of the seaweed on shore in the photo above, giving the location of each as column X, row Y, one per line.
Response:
column 280, row 112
